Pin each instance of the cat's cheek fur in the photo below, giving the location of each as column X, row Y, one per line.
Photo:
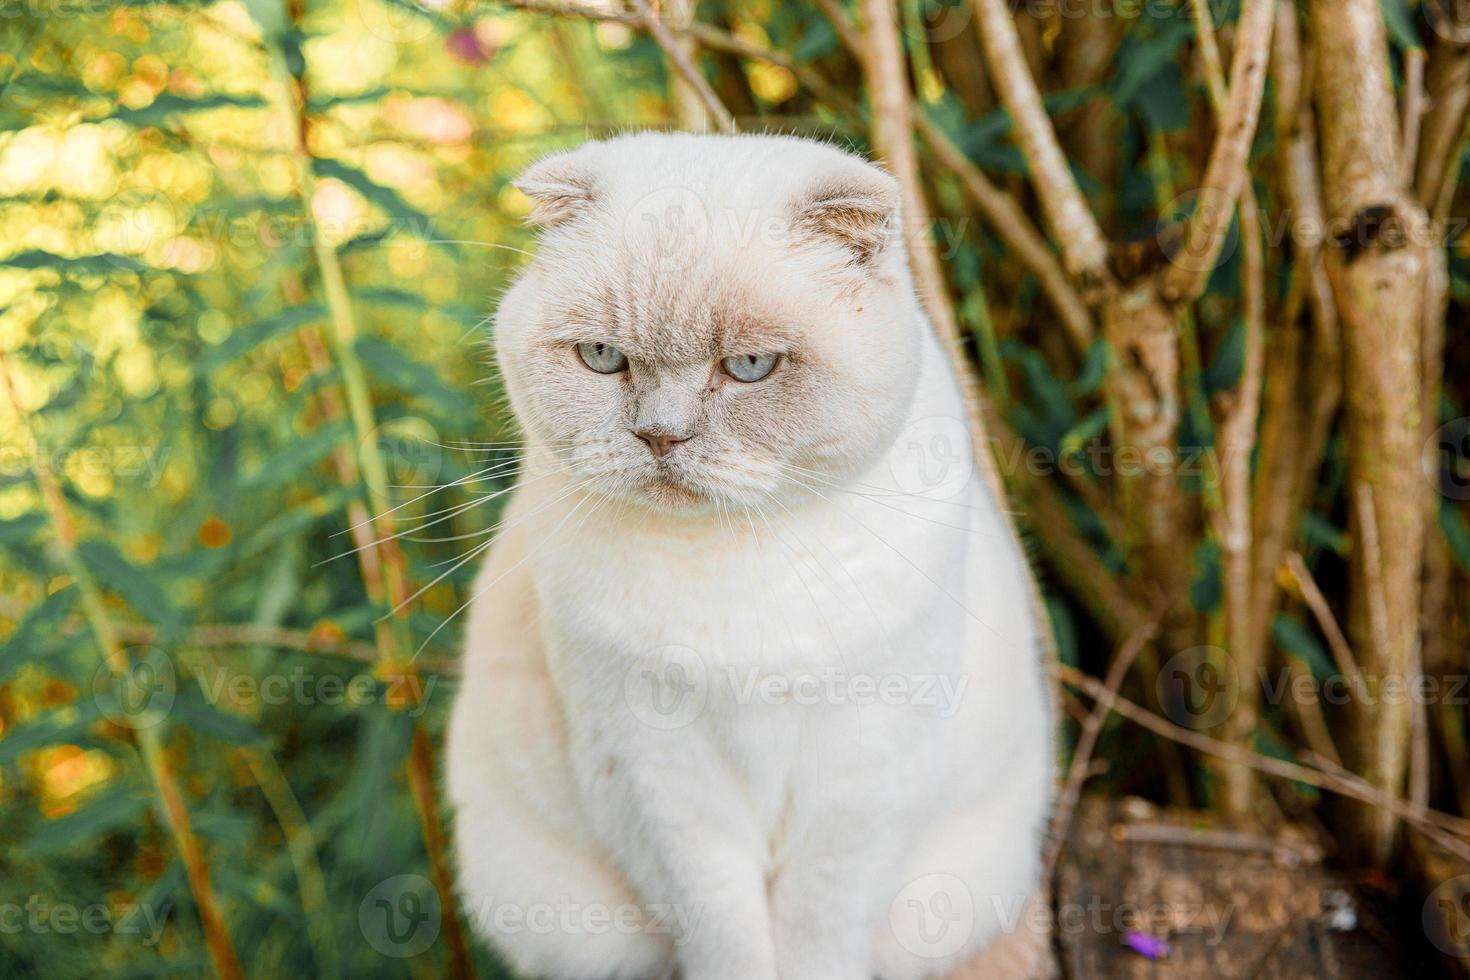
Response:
column 636, row 792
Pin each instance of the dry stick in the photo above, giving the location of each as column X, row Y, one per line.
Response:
column 885, row 72
column 1317, row 602
column 1226, row 173
column 1302, row 395
column 1415, row 60
column 155, row 757
column 1087, row 741
column 679, row 58
column 1012, row 226
column 1433, row 824
column 1072, row 223
column 1379, row 267
column 1378, row 618
column 690, row 109
column 1236, row 439
column 1447, row 88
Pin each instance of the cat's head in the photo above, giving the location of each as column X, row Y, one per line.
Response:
column 711, row 321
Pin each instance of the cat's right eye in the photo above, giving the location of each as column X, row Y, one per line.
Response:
column 602, row 358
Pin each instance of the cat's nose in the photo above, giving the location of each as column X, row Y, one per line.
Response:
column 659, row 441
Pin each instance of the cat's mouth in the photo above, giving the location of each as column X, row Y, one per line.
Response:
column 668, row 489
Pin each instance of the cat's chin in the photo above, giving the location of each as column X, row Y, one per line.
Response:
column 666, row 493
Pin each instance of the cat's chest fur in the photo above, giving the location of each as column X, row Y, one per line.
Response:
column 775, row 644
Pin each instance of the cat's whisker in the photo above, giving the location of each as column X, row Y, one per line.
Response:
column 448, row 514
column 932, row 581
column 470, row 241
column 551, row 536
column 501, row 526
column 393, row 510
column 439, row 578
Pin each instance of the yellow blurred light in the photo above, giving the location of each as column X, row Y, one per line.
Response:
column 136, row 370
column 613, row 36
column 27, row 159
column 772, row 82
column 514, row 111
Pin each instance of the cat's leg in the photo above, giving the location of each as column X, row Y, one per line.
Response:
column 532, row 880
column 964, row 906
column 678, row 826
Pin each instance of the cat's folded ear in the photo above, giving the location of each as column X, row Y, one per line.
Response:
column 561, row 185
column 857, row 209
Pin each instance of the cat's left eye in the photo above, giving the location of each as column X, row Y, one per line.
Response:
column 749, row 367
column 602, row 358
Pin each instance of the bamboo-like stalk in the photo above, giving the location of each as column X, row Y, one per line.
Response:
column 302, row 848
column 1379, row 270
column 394, row 641
column 1235, row 442
column 196, row 865
column 1072, row 224
column 690, row 80
column 1304, row 372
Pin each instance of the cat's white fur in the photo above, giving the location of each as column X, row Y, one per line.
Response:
column 638, row 792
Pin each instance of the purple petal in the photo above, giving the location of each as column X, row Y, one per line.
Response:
column 1146, row 945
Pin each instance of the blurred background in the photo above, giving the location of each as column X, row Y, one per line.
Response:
column 249, row 432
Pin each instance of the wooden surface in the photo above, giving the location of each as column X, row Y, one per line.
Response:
column 1230, row 904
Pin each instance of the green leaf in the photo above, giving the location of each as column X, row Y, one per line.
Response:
column 1228, row 364
column 1321, row 533
column 36, row 630
column 92, row 265
column 1401, row 26
column 397, row 369
column 1094, row 369
column 134, row 584
column 167, row 104
column 286, row 465
column 1207, row 589
column 193, row 710
column 118, row 809
column 1090, row 428
column 1064, row 628
column 1293, row 637
column 413, row 220
column 245, row 339
column 69, row 725
column 1456, row 533
column 20, row 529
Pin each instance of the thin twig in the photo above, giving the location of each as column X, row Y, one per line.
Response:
column 1343, row 784
column 1072, row 223
column 687, row 70
column 1342, row 651
column 1061, row 822
column 1226, row 173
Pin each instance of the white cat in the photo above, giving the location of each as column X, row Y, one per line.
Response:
column 752, row 686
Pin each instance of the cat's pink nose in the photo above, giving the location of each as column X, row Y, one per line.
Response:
column 660, row 441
